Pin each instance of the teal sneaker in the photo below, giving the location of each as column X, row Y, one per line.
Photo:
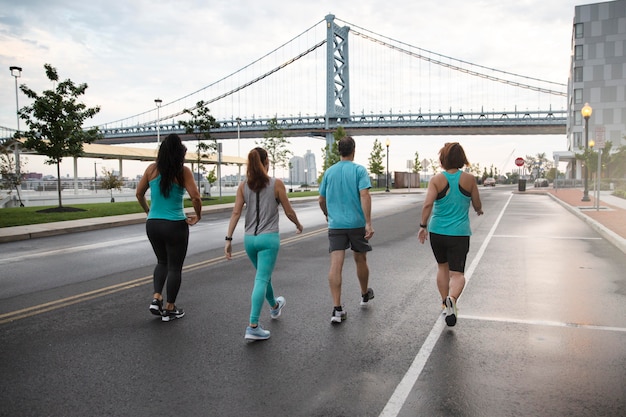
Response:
column 275, row 312
column 256, row 333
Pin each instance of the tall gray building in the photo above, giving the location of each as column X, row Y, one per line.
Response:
column 311, row 168
column 598, row 77
column 296, row 170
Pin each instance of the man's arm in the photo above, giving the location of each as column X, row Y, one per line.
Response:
column 322, row 203
column 366, row 205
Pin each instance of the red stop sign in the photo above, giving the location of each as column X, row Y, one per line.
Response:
column 519, row 162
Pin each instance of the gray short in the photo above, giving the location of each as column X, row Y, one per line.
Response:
column 342, row 239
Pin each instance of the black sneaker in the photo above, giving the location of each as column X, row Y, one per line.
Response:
column 169, row 315
column 156, row 307
column 367, row 296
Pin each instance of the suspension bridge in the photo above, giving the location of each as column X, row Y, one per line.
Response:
column 314, row 82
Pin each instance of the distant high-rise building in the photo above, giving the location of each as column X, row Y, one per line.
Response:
column 296, row 171
column 311, row 168
column 598, row 77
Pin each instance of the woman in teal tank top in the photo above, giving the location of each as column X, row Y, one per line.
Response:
column 445, row 216
column 167, row 226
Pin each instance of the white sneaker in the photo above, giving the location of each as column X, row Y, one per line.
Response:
column 338, row 316
column 451, row 311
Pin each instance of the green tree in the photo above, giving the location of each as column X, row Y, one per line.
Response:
column 434, row 165
column 538, row 164
column 200, row 124
column 417, row 164
column 331, row 155
column 211, row 179
column 9, row 178
column 111, row 182
column 617, row 164
column 275, row 144
column 376, row 160
column 55, row 121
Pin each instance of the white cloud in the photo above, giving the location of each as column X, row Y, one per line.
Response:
column 131, row 52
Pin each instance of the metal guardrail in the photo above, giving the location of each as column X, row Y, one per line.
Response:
column 315, row 124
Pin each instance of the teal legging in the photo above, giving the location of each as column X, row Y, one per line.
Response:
column 262, row 250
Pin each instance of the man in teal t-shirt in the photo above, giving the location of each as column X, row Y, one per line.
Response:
column 346, row 202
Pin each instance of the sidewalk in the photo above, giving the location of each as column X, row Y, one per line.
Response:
column 609, row 220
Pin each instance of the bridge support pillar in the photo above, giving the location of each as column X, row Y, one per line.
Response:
column 337, row 77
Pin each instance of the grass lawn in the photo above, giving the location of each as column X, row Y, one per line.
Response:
column 20, row 216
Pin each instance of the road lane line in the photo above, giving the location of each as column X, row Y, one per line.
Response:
column 90, row 295
column 535, row 237
column 547, row 323
column 402, row 391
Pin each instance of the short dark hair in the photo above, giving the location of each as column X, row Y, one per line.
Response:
column 452, row 156
column 346, row 146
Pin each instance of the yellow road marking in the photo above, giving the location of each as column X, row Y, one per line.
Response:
column 90, row 295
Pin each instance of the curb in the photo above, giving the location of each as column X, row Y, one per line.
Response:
column 615, row 239
column 34, row 231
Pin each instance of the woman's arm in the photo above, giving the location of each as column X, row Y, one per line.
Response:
column 194, row 194
column 143, row 186
column 234, row 219
column 427, row 208
column 474, row 193
column 281, row 193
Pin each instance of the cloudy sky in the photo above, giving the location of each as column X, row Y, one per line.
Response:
column 130, row 52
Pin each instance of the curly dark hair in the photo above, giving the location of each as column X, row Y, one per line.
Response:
column 170, row 162
column 256, row 173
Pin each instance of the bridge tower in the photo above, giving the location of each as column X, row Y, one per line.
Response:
column 337, row 76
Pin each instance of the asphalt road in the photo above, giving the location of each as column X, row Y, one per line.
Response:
column 541, row 331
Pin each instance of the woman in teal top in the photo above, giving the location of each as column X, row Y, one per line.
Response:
column 168, row 225
column 445, row 216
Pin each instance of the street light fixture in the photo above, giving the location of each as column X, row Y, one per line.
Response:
column 387, row 180
column 586, row 113
column 158, row 102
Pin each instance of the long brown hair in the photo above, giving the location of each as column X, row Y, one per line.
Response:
column 170, row 162
column 256, row 172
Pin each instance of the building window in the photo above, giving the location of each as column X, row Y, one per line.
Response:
column 578, row 52
column 578, row 30
column 578, row 118
column 578, row 74
column 578, row 95
column 577, row 140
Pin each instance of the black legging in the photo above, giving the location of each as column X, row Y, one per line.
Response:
column 169, row 241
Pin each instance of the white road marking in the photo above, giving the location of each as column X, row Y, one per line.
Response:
column 546, row 323
column 402, row 391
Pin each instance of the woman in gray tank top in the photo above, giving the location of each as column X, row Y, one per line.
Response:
column 261, row 195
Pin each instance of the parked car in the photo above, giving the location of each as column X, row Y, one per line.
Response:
column 542, row 182
column 489, row 182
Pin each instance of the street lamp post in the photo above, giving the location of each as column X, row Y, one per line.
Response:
column 95, row 177
column 387, row 180
column 158, row 102
column 16, row 72
column 238, row 150
column 219, row 167
column 586, row 113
